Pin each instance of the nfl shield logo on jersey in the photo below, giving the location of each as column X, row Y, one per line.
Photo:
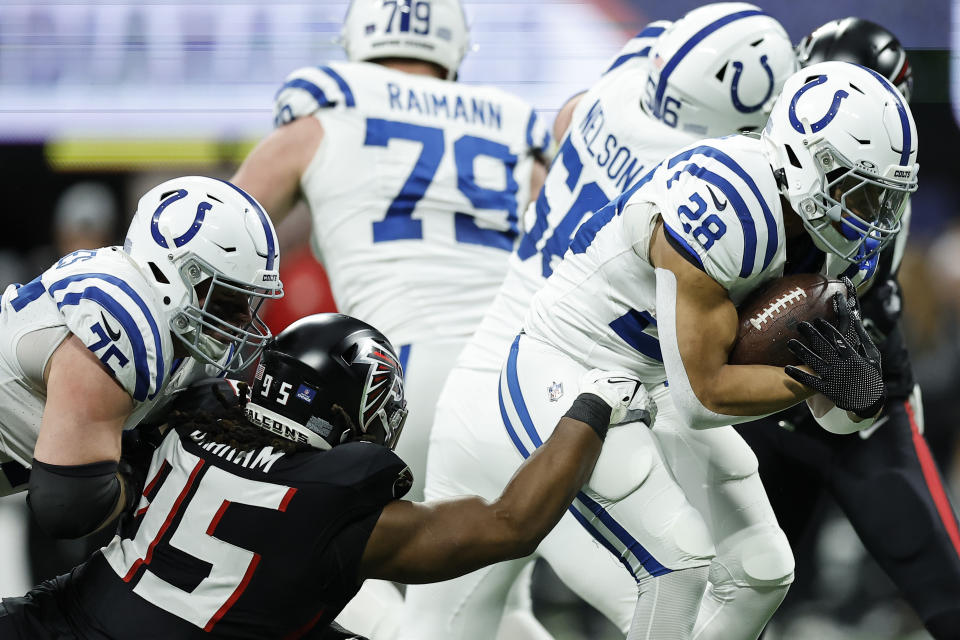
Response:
column 555, row 391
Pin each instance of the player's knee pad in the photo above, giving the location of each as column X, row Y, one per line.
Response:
column 758, row 556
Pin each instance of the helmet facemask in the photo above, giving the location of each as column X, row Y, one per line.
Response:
column 220, row 326
column 855, row 213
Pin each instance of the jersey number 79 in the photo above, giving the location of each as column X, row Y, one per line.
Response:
column 399, row 224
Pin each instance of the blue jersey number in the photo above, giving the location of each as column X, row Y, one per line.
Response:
column 590, row 198
column 708, row 230
column 418, row 11
column 399, row 224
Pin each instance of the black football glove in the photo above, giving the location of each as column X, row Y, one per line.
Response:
column 136, row 453
column 849, row 373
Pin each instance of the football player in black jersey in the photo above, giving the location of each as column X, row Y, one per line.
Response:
column 883, row 478
column 260, row 517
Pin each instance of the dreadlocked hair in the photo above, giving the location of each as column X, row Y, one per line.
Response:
column 229, row 425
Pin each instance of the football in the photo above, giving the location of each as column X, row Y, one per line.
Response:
column 769, row 317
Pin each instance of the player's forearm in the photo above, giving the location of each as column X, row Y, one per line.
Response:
column 546, row 484
column 455, row 537
column 752, row 390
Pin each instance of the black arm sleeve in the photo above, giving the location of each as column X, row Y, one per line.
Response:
column 73, row 501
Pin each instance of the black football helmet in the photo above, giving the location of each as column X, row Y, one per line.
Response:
column 329, row 379
column 862, row 42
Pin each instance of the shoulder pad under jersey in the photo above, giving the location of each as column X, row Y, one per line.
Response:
column 371, row 468
column 110, row 306
column 722, row 208
column 309, row 89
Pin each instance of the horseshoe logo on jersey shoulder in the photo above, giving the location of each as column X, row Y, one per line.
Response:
column 179, row 241
column 827, row 118
column 734, row 87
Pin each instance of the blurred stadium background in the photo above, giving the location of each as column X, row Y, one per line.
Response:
column 100, row 100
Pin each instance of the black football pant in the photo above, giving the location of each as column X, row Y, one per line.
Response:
column 890, row 489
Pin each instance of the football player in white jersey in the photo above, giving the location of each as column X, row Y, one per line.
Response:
column 105, row 335
column 414, row 184
column 650, row 282
column 715, row 71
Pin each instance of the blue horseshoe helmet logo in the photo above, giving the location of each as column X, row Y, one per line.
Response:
column 179, row 241
column 734, row 94
column 827, row 118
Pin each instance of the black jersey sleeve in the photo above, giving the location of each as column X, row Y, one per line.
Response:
column 375, row 472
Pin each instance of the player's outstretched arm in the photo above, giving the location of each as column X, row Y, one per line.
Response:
column 272, row 171
column 75, row 488
column 698, row 320
column 439, row 540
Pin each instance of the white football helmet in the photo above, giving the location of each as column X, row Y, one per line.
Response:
column 212, row 253
column 430, row 30
column 718, row 69
column 843, row 146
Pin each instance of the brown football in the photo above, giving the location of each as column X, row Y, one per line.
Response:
column 769, row 317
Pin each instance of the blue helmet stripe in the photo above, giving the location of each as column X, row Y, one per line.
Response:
column 309, row 87
column 344, row 87
column 264, row 220
column 902, row 111
column 134, row 331
column 728, row 162
column 691, row 43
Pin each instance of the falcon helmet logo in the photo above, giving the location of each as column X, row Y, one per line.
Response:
column 383, row 391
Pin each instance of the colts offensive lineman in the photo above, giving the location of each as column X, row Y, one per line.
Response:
column 713, row 72
column 102, row 337
column 884, row 479
column 266, row 531
column 414, row 184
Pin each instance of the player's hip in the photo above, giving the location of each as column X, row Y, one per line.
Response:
column 469, row 448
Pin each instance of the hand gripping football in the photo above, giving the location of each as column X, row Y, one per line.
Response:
column 769, row 317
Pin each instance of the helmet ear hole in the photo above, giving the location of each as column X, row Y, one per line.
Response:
column 158, row 274
column 793, row 157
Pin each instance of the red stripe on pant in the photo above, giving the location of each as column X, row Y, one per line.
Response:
column 934, row 484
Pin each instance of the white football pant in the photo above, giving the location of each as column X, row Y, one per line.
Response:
column 629, row 525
